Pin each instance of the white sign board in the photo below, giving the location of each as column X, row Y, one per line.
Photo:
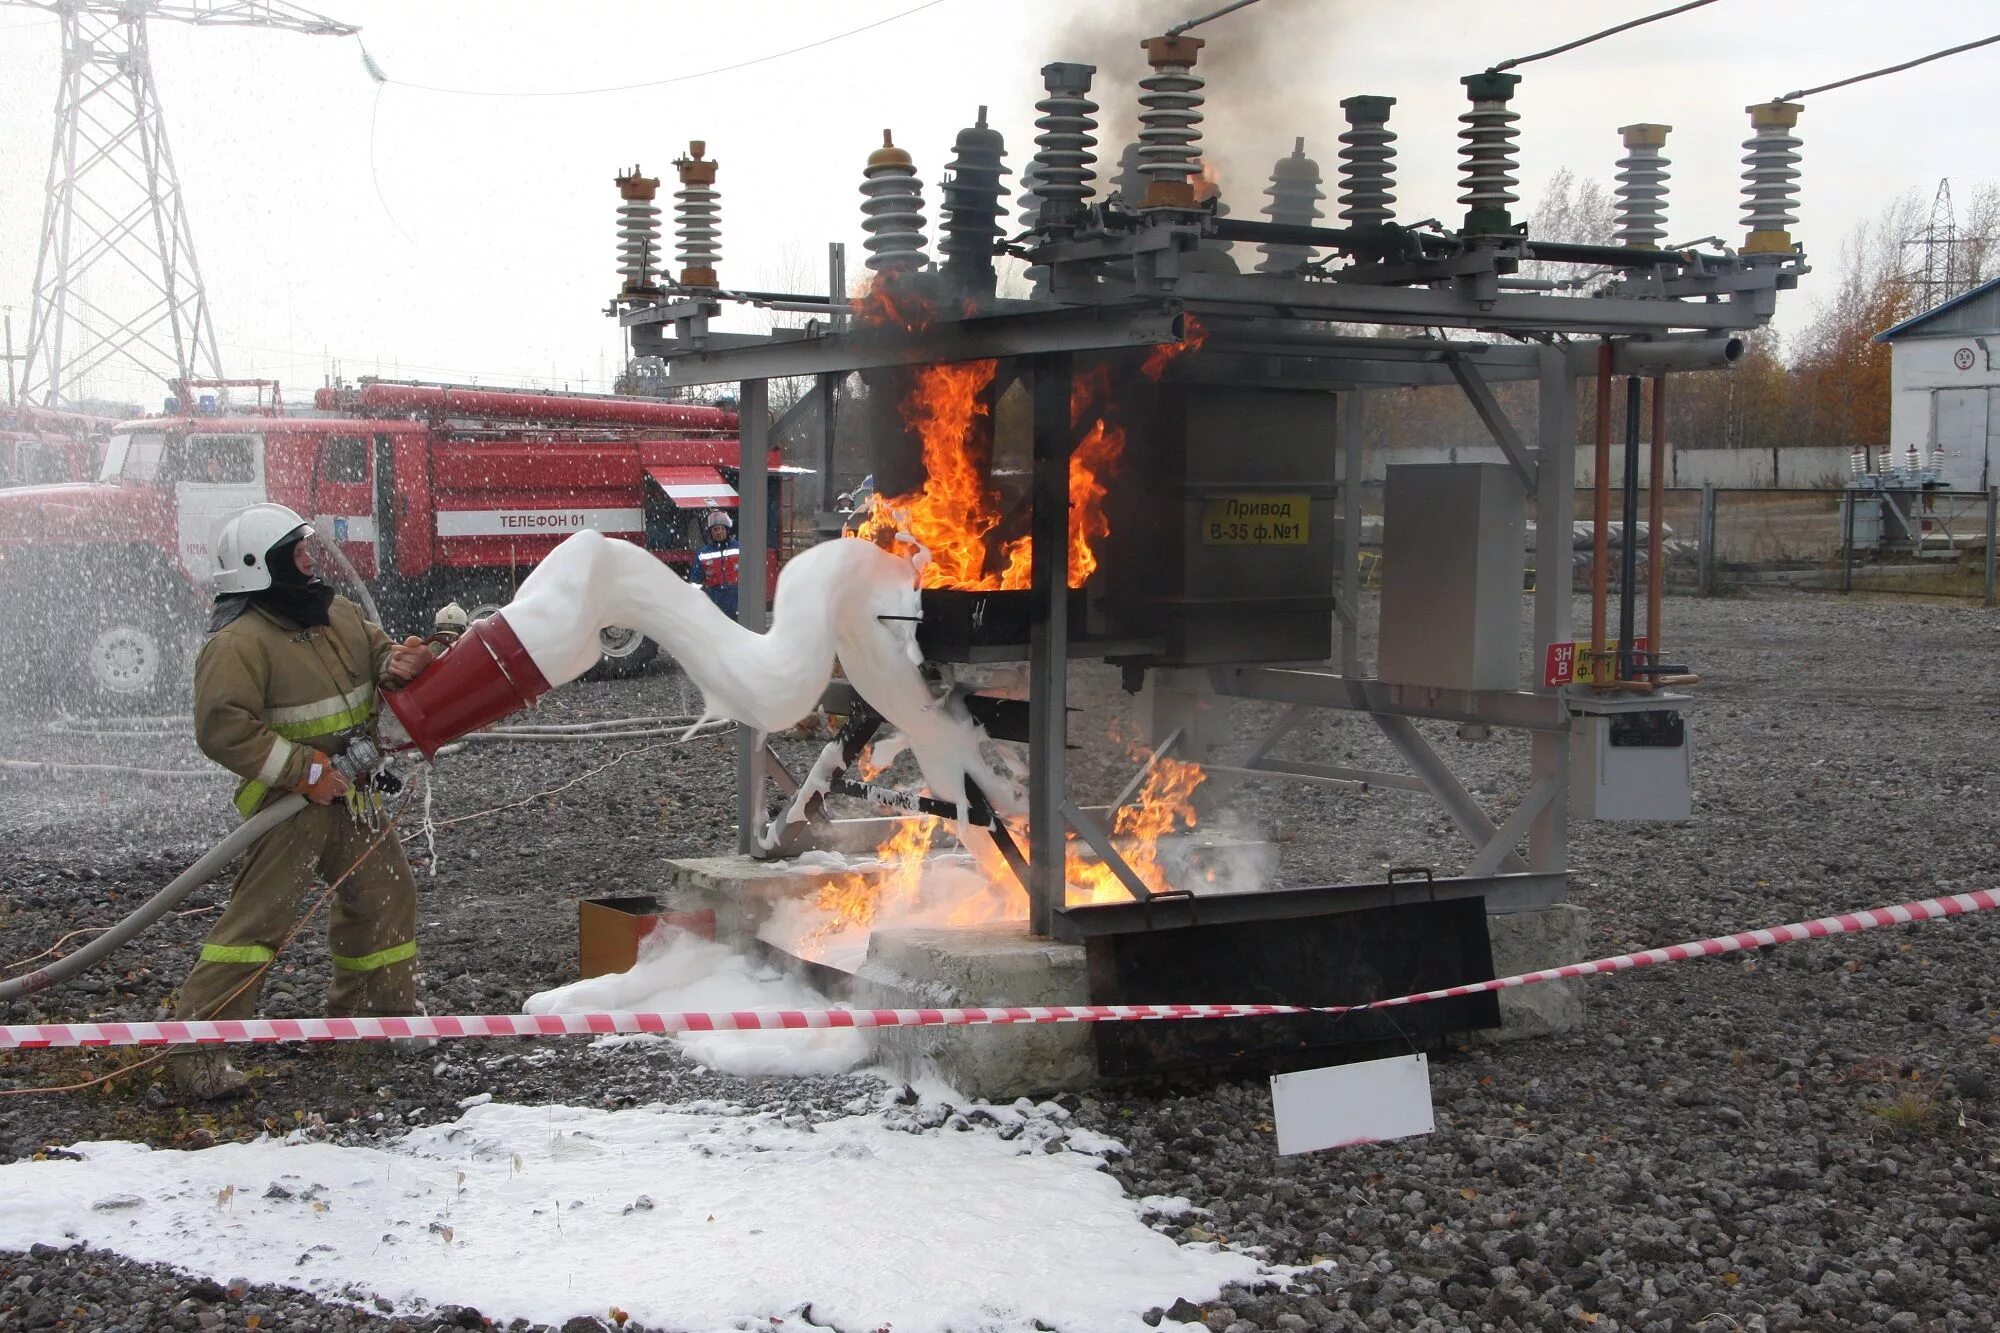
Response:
column 1345, row 1105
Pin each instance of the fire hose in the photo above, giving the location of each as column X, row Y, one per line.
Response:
column 360, row 758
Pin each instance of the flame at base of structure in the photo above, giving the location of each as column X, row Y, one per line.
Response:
column 914, row 882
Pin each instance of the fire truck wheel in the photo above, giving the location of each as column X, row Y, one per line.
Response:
column 130, row 660
column 623, row 653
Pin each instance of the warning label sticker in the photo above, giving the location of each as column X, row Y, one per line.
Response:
column 1572, row 663
column 1256, row 520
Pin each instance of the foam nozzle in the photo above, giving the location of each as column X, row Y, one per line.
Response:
column 487, row 675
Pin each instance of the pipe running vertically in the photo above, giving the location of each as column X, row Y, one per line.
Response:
column 1656, row 522
column 210, row 864
column 1628, row 539
column 1049, row 382
column 1600, row 508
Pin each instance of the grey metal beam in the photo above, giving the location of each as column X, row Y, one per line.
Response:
column 1503, row 894
column 1325, row 689
column 1359, row 777
column 1425, row 307
column 1494, row 418
column 826, row 521
column 753, row 489
column 1501, row 845
column 1068, row 329
column 1139, row 777
column 1048, row 637
column 1444, row 784
column 1099, row 841
column 1549, row 756
column 1353, row 444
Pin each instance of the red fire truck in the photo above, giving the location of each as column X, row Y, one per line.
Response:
column 39, row 444
column 435, row 494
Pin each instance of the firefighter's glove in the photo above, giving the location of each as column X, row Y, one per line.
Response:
column 322, row 783
column 407, row 661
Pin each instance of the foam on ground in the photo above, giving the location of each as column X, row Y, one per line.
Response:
column 678, row 972
column 683, row 1219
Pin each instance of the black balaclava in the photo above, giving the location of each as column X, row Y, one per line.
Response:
column 301, row 600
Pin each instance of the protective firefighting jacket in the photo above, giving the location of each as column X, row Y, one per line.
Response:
column 267, row 693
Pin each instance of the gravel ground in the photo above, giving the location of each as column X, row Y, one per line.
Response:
column 1800, row 1139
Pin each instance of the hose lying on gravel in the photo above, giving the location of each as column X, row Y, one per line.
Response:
column 52, row 769
column 615, row 728
column 159, row 904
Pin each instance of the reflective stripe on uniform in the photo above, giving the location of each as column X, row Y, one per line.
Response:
column 325, row 716
column 236, row 953
column 250, row 796
column 274, row 763
column 395, row 953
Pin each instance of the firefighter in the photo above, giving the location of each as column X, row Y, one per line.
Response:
column 447, row 626
column 288, row 677
column 716, row 563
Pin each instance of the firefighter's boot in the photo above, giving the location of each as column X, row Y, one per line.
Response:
column 207, row 1076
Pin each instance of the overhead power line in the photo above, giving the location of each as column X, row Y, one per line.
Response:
column 375, row 71
column 1890, row 69
column 1599, row 36
column 1180, row 28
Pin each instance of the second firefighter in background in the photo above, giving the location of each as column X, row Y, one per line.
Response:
column 717, row 563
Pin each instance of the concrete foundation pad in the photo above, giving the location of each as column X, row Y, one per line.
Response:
column 980, row 965
column 1526, row 942
column 742, row 891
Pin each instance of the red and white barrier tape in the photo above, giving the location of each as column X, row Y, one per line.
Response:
column 23, row 1035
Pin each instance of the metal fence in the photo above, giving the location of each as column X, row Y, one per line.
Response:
column 1717, row 540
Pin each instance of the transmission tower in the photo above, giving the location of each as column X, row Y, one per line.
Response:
column 116, row 282
column 1941, row 271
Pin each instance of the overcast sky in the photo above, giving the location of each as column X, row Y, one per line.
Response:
column 398, row 231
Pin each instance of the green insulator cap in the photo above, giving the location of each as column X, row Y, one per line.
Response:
column 1366, row 107
column 1490, row 86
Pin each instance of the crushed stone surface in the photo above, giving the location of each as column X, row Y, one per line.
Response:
column 1801, row 1138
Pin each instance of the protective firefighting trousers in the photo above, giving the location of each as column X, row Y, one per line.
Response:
column 372, row 922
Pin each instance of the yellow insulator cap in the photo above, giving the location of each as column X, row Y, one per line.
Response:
column 888, row 155
column 1774, row 115
column 1644, row 136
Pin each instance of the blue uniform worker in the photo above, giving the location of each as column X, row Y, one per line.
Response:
column 717, row 563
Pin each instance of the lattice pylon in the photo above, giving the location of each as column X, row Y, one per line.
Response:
column 116, row 281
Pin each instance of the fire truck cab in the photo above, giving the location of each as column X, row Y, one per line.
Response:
column 103, row 583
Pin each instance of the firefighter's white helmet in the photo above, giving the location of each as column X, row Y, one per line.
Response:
column 243, row 543
column 451, row 620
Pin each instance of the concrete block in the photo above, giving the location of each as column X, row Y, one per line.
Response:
column 1525, row 942
column 740, row 891
column 980, row 965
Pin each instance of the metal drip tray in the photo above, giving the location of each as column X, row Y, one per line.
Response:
column 960, row 625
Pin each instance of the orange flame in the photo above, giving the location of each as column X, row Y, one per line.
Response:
column 1166, row 354
column 860, row 899
column 1165, row 803
column 954, row 513
column 854, row 899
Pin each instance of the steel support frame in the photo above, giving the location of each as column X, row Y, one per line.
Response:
column 1542, row 815
column 1277, row 332
column 1049, row 379
column 753, row 489
column 1042, row 332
